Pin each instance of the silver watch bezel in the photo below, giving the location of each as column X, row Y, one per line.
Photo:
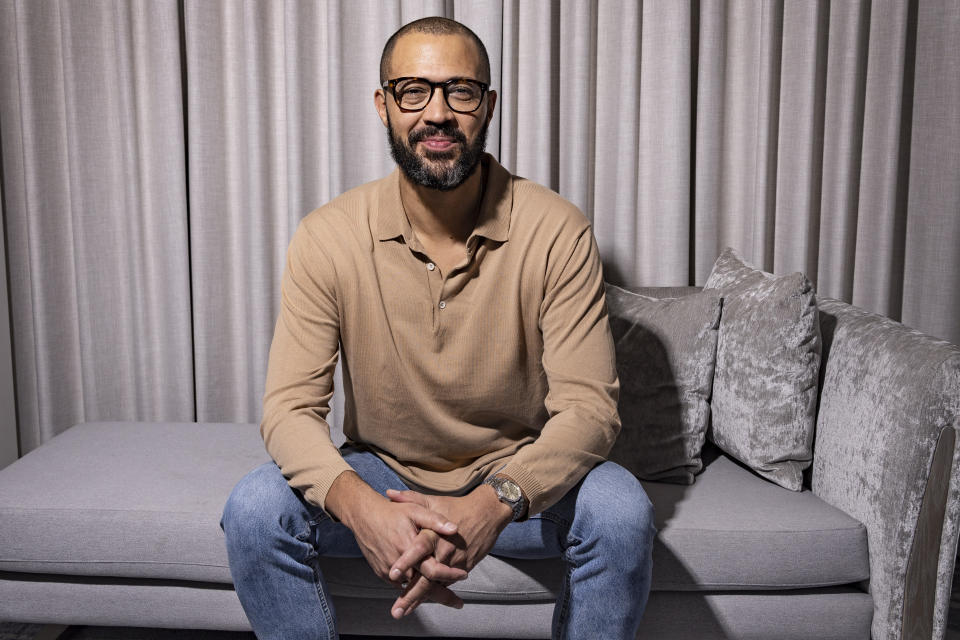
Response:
column 518, row 505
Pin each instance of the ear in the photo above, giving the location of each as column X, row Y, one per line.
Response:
column 380, row 102
column 491, row 104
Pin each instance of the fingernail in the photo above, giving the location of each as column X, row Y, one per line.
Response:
column 449, row 526
column 398, row 612
column 395, row 574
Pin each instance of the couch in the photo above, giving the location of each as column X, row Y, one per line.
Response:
column 117, row 523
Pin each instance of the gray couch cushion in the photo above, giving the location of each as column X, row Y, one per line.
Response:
column 143, row 500
column 666, row 349
column 125, row 499
column 768, row 358
column 733, row 530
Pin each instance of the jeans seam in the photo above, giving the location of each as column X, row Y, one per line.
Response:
column 546, row 515
column 313, row 559
column 563, row 603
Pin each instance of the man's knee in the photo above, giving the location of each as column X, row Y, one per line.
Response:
column 256, row 503
column 613, row 500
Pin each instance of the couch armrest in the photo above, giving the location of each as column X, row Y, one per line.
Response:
column 886, row 453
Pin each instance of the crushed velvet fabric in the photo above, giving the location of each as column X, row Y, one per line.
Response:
column 768, row 359
column 888, row 392
column 666, row 350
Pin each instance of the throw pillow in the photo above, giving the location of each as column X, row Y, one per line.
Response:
column 768, row 359
column 665, row 351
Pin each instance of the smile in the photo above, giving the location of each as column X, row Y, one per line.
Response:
column 438, row 143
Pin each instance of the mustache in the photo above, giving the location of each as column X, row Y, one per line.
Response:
column 430, row 130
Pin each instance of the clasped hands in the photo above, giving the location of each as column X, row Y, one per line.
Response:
column 424, row 543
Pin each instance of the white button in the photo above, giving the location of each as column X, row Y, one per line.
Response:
column 431, row 266
column 443, row 305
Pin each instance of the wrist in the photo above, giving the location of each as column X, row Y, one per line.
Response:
column 348, row 495
column 509, row 494
column 490, row 503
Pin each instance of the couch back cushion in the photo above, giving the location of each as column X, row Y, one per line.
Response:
column 666, row 349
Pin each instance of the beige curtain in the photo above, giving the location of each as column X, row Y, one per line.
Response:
column 156, row 157
column 95, row 213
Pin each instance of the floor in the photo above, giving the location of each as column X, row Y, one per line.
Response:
column 16, row 631
column 20, row 631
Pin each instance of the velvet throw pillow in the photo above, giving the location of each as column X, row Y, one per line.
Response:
column 665, row 357
column 768, row 359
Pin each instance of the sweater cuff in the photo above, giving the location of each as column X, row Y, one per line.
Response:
column 528, row 484
column 316, row 493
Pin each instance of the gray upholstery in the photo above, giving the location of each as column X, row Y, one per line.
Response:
column 816, row 614
column 172, row 480
column 666, row 350
column 888, row 393
column 734, row 530
column 768, row 355
column 125, row 500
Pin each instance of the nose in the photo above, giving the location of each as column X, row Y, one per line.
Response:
column 437, row 109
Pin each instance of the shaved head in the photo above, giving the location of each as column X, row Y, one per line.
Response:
column 435, row 26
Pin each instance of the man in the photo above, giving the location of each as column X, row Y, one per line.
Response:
column 467, row 307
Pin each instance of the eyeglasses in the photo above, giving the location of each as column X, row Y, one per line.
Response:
column 463, row 95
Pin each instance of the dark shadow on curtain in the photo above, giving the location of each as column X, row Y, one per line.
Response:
column 898, row 254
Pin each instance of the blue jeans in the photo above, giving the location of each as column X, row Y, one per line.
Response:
column 602, row 529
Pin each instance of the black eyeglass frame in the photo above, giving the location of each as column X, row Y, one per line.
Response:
column 391, row 86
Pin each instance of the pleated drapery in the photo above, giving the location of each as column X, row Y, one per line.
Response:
column 95, row 213
column 157, row 156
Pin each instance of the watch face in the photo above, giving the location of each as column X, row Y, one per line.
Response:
column 510, row 491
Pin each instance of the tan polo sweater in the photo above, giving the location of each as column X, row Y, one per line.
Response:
column 505, row 362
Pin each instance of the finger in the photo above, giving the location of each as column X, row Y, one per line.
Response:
column 413, row 497
column 424, row 590
column 414, row 594
column 440, row 572
column 451, row 551
column 422, row 547
column 428, row 519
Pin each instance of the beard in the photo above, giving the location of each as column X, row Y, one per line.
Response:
column 445, row 170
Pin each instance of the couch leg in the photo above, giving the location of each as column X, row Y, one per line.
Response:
column 51, row 632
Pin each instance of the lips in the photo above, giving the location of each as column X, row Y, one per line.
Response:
column 438, row 143
column 437, row 139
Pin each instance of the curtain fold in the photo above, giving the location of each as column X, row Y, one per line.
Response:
column 158, row 156
column 878, row 258
column 931, row 289
column 842, row 146
column 95, row 213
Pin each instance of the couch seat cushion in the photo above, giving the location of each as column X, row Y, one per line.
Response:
column 126, row 499
column 143, row 500
column 733, row 530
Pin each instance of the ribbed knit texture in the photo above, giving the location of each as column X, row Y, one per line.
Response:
column 505, row 362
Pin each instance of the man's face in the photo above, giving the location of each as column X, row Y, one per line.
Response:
column 437, row 147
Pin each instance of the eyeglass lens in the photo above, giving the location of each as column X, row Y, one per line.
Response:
column 462, row 95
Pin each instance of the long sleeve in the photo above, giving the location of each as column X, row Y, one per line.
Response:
column 579, row 362
column 299, row 383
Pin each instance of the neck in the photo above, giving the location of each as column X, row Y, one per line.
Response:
column 443, row 215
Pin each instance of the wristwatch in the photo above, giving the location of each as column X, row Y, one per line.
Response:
column 509, row 494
